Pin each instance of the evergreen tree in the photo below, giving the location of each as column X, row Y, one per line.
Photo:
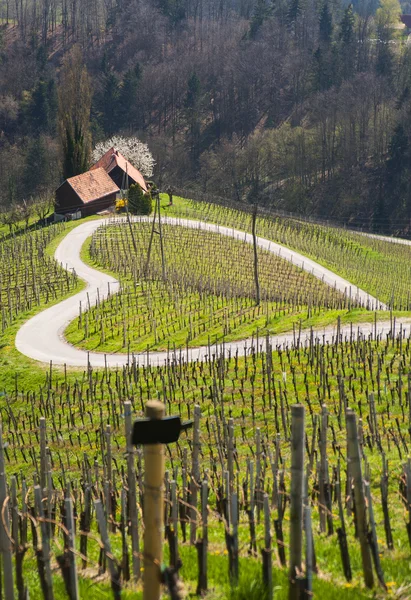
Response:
column 175, row 10
column 138, row 71
column 347, row 46
column 42, row 57
column 110, row 104
column 381, row 214
column 403, row 98
column 35, row 175
column 326, row 25
column 397, row 185
column 139, row 203
column 260, row 14
column 74, row 101
column 384, row 61
column 347, row 26
column 397, row 153
column 192, row 102
column 294, row 11
column 127, row 101
column 193, row 91
column 324, row 72
column 40, row 109
column 53, row 105
column 104, row 67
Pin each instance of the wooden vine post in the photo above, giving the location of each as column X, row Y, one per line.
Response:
column 195, row 474
column 159, row 232
column 354, row 460
column 296, row 497
column 256, row 279
column 5, row 543
column 132, row 494
column 153, row 508
column 153, row 432
column 133, row 239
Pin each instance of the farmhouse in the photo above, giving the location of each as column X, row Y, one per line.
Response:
column 114, row 163
column 88, row 193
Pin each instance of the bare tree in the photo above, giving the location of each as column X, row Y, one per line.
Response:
column 43, row 205
column 25, row 211
column 10, row 216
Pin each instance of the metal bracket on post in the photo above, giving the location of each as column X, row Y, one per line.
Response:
column 158, row 431
column 153, row 432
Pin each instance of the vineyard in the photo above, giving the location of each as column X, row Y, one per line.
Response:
column 376, row 265
column 209, row 292
column 294, row 479
column 30, row 277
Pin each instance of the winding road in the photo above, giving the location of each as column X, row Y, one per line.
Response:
column 42, row 337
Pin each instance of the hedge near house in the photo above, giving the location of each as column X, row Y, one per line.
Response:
column 139, row 203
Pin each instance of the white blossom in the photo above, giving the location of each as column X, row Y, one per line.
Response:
column 136, row 152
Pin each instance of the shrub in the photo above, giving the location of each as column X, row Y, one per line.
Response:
column 120, row 204
column 139, row 203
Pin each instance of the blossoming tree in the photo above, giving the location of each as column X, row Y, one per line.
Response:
column 132, row 149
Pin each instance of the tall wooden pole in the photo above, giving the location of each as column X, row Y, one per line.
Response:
column 153, row 509
column 296, row 497
column 256, row 279
column 68, row 502
column 128, row 214
column 153, row 230
column 5, row 543
column 195, row 474
column 160, row 232
column 157, row 213
column 43, row 456
column 323, row 467
column 132, row 493
column 355, row 471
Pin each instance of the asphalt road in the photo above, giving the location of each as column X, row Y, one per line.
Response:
column 41, row 337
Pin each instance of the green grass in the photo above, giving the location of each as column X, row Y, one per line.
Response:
column 28, row 275
column 17, row 372
column 235, row 388
column 395, row 564
column 381, row 268
column 149, row 314
column 250, row 585
column 209, row 293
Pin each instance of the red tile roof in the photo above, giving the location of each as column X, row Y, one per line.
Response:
column 93, row 185
column 113, row 158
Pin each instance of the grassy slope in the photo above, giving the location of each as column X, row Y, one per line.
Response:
column 396, row 565
column 380, row 267
column 16, row 370
column 277, row 325
column 262, row 323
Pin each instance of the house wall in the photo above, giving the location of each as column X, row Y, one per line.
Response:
column 91, row 208
column 117, row 175
column 67, row 199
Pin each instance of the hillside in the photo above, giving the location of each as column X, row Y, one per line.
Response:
column 301, row 106
column 285, row 378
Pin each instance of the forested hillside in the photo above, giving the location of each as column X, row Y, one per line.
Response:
column 301, row 104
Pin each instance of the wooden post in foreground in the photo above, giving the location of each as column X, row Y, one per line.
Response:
column 68, row 502
column 5, row 544
column 354, row 462
column 132, row 493
column 296, row 497
column 153, row 508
